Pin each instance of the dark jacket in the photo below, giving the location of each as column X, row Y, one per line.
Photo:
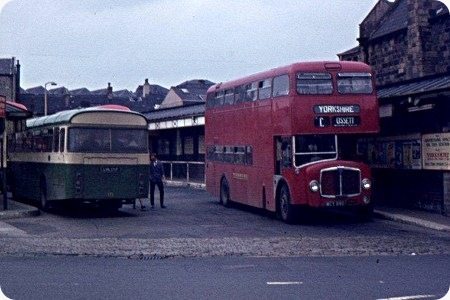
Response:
column 156, row 171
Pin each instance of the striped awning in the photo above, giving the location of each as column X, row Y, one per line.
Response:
column 16, row 110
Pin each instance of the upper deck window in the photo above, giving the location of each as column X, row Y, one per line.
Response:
column 252, row 91
column 314, row 84
column 281, row 86
column 219, row 98
column 354, row 83
column 240, row 94
column 229, row 97
column 265, row 88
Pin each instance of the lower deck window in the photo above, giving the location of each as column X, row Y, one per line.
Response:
column 311, row 148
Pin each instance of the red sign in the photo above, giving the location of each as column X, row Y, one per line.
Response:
column 2, row 107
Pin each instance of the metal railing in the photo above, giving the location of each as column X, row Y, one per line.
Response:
column 185, row 172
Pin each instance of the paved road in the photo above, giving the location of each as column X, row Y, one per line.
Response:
column 196, row 225
column 347, row 278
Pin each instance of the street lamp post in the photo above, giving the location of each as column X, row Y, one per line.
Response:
column 45, row 95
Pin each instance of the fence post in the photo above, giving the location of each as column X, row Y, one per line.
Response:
column 187, row 171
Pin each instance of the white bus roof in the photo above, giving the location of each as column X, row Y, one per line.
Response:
column 68, row 116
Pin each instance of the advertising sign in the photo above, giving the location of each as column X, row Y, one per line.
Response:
column 436, row 151
column 397, row 152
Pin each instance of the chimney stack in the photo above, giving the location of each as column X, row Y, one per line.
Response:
column 109, row 92
column 17, row 83
column 146, row 88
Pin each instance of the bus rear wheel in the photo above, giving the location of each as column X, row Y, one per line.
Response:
column 225, row 193
column 285, row 208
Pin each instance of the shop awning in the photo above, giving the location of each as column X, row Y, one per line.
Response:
column 423, row 86
column 16, row 111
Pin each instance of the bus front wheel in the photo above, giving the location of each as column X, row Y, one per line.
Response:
column 224, row 193
column 285, row 208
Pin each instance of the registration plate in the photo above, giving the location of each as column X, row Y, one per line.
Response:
column 336, row 203
column 109, row 170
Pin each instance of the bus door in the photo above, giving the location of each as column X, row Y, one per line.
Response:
column 211, row 180
column 239, row 175
column 282, row 158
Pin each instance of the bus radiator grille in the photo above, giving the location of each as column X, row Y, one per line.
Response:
column 340, row 182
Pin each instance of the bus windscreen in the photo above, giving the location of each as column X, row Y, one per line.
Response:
column 101, row 140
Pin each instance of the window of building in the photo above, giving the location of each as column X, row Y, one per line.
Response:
column 201, row 144
column 188, row 145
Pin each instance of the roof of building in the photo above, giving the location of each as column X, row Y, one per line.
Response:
column 37, row 90
column 154, row 89
column 397, row 19
column 354, row 50
column 416, row 87
column 124, row 93
column 80, row 91
column 192, row 91
column 59, row 91
column 177, row 112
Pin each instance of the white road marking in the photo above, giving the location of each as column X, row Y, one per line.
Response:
column 409, row 297
column 283, row 282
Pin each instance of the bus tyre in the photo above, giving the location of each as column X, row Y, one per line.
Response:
column 285, row 209
column 225, row 193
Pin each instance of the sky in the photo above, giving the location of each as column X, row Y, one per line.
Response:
column 88, row 43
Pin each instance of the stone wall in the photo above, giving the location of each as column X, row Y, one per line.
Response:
column 420, row 49
column 389, row 60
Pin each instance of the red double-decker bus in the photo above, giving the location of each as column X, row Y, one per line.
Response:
column 286, row 139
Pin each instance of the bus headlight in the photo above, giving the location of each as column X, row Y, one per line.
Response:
column 366, row 183
column 314, row 186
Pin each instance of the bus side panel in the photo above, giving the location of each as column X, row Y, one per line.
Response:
column 263, row 155
column 212, row 186
column 23, row 180
column 297, row 186
column 60, row 181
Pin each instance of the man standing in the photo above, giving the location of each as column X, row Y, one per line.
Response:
column 156, row 179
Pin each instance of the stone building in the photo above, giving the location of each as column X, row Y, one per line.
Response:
column 9, row 78
column 407, row 42
column 177, row 131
